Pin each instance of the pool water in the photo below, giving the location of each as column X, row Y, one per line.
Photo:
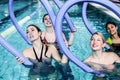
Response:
column 10, row 69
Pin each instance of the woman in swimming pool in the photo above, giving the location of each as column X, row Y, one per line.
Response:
column 40, row 55
column 49, row 38
column 100, row 60
column 114, row 39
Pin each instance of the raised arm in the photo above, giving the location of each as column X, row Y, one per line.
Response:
column 71, row 37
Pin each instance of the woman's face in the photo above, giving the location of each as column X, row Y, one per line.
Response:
column 47, row 21
column 111, row 29
column 96, row 42
column 33, row 33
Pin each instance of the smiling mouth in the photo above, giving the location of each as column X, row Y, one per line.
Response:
column 49, row 23
column 31, row 37
column 94, row 45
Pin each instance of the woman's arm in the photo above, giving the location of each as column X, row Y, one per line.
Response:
column 100, row 67
column 97, row 66
column 71, row 37
column 26, row 52
column 55, row 53
column 20, row 59
column 65, row 40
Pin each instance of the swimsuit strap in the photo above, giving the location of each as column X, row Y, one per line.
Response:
column 39, row 60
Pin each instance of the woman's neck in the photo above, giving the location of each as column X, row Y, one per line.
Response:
column 37, row 44
column 97, row 54
column 50, row 29
column 115, row 36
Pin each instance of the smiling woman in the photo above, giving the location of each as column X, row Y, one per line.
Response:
column 114, row 39
column 10, row 69
column 100, row 60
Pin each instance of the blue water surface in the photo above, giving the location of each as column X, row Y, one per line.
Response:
column 10, row 69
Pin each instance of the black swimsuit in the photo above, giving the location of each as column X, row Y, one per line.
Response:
column 40, row 60
column 42, row 66
column 116, row 48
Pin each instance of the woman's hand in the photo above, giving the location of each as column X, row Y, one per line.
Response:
column 75, row 29
column 20, row 59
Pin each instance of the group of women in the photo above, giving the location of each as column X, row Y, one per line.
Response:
column 107, row 62
column 45, row 48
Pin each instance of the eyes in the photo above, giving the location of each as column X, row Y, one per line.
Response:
column 31, row 30
column 94, row 39
column 110, row 27
column 47, row 18
column 97, row 38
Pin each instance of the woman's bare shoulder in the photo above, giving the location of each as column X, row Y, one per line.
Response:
column 27, row 51
column 112, row 55
column 88, row 59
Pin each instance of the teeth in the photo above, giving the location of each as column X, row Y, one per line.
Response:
column 94, row 45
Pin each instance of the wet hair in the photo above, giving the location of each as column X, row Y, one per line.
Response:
column 38, row 29
column 44, row 17
column 100, row 34
column 113, row 23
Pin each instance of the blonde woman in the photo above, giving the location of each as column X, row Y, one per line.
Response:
column 100, row 60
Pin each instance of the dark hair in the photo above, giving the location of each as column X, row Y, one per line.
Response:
column 44, row 17
column 110, row 23
column 38, row 29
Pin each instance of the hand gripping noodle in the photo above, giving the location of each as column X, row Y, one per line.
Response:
column 57, row 2
column 8, row 46
column 58, row 31
column 13, row 51
column 52, row 15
